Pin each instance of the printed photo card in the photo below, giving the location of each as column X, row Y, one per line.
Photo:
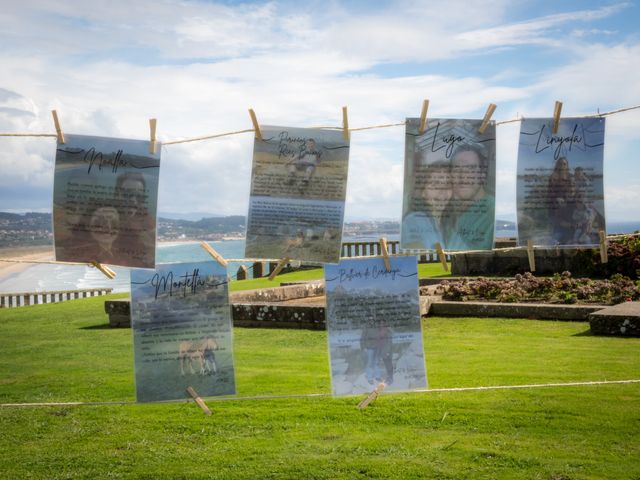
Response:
column 298, row 189
column 449, row 186
column 560, row 191
column 182, row 331
column 105, row 196
column 373, row 321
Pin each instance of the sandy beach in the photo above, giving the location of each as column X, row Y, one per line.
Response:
column 24, row 254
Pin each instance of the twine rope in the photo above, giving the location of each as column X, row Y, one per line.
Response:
column 357, row 129
column 325, row 395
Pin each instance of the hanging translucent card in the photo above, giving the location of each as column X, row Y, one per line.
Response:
column 560, row 192
column 449, row 185
column 105, row 196
column 182, row 331
column 298, row 188
column 373, row 320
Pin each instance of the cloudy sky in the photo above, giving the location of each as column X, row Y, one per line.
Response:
column 197, row 66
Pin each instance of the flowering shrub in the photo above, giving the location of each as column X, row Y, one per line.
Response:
column 561, row 288
column 623, row 257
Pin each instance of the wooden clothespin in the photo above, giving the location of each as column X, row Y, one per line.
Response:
column 372, row 396
column 385, row 254
column 198, row 400
column 56, row 122
column 442, row 256
column 423, row 117
column 556, row 117
column 279, row 267
column 345, row 124
column 216, row 256
column 256, row 127
column 531, row 255
column 110, row 274
column 604, row 258
column 487, row 117
column 153, row 123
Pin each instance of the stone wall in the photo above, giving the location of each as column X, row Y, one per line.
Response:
column 507, row 263
column 514, row 310
column 278, row 316
column 279, row 294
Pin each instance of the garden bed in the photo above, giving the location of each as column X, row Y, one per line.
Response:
column 559, row 289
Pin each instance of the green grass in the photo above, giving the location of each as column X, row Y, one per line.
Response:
column 62, row 352
column 424, row 270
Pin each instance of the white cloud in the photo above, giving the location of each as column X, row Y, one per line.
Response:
column 108, row 67
column 541, row 31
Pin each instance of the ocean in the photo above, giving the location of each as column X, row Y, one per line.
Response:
column 45, row 277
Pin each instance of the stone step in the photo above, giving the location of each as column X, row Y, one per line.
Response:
column 620, row 320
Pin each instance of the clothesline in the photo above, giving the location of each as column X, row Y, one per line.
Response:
column 327, row 395
column 409, row 253
column 358, row 129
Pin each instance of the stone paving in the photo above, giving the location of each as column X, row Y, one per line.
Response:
column 620, row 320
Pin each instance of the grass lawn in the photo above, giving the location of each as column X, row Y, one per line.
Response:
column 424, row 270
column 63, row 352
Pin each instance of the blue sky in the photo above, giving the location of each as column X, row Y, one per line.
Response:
column 197, row 66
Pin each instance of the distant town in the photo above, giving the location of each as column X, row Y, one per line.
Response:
column 33, row 229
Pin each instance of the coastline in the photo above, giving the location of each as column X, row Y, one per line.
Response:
column 39, row 253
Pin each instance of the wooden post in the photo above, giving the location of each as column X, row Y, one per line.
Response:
column 242, row 273
column 257, row 270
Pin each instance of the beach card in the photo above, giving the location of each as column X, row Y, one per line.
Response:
column 560, row 192
column 105, row 195
column 182, row 335
column 449, row 185
column 373, row 320
column 298, row 189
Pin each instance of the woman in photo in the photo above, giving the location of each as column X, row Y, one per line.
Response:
column 428, row 225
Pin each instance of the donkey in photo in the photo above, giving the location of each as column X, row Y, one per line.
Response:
column 200, row 351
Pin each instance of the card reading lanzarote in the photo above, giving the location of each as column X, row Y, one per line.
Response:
column 105, row 196
column 373, row 319
column 449, row 185
column 182, row 333
column 560, row 191
column 298, row 189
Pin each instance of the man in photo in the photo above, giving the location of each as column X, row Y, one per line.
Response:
column 305, row 162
